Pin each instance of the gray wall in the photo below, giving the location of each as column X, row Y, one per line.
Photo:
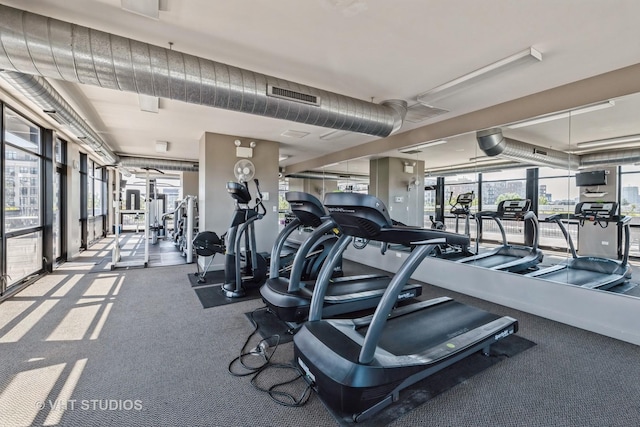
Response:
column 189, row 184
column 217, row 158
column 595, row 240
column 402, row 192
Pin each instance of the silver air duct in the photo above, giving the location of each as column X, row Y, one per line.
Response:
column 46, row 97
column 610, row 158
column 493, row 143
column 38, row 45
column 162, row 164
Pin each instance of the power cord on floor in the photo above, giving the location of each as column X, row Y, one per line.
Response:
column 265, row 349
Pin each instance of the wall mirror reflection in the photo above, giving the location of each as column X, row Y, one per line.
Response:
column 538, row 160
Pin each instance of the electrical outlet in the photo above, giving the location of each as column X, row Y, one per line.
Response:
column 605, row 243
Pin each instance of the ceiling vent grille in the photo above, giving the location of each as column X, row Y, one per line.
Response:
column 292, row 95
column 419, row 112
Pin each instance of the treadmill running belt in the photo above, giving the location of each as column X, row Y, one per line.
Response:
column 493, row 260
column 577, row 276
column 416, row 332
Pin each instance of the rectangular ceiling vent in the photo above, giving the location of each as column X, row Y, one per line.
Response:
column 292, row 95
column 419, row 112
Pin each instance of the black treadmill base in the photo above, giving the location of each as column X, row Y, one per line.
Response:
column 421, row 392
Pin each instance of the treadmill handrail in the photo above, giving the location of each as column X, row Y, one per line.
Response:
column 324, row 277
column 557, row 218
column 274, row 266
column 302, row 252
column 388, row 301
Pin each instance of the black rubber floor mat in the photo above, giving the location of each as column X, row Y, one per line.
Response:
column 212, row 296
column 212, row 278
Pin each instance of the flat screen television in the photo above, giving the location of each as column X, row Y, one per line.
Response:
column 591, row 178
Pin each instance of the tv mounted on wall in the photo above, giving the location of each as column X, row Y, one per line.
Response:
column 591, row 178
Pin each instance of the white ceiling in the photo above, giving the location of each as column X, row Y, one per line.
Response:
column 367, row 49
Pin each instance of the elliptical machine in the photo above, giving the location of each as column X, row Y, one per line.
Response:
column 254, row 272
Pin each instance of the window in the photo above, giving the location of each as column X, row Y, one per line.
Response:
column 499, row 186
column 454, row 186
column 25, row 209
column 630, row 203
column 21, row 133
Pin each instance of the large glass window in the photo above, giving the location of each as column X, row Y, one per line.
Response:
column 557, row 193
column 22, row 235
column 21, row 133
column 24, row 256
column 630, row 203
column 499, row 186
column 21, row 179
column 453, row 187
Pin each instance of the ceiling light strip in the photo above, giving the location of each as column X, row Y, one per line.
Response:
column 423, row 145
column 609, row 141
column 561, row 115
column 525, row 56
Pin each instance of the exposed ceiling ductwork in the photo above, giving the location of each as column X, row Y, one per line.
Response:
column 38, row 90
column 42, row 46
column 162, row 164
column 493, row 143
column 610, row 158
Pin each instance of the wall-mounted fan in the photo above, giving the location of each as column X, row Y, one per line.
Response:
column 244, row 170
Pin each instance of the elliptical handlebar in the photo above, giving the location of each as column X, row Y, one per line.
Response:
column 259, row 207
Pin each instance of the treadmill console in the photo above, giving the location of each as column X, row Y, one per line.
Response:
column 465, row 199
column 306, row 207
column 593, row 211
column 513, row 209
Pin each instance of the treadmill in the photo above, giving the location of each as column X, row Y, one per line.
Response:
column 513, row 258
column 290, row 298
column 359, row 366
column 589, row 271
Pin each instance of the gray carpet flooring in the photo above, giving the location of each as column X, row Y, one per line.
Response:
column 86, row 347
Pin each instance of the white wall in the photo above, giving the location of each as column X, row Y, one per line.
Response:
column 73, row 201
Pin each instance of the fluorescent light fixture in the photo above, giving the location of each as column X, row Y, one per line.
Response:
column 150, row 104
column 483, row 159
column 331, row 164
column 162, row 146
column 421, row 146
column 334, row 134
column 561, row 115
column 529, row 55
column 282, row 157
column 609, row 141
